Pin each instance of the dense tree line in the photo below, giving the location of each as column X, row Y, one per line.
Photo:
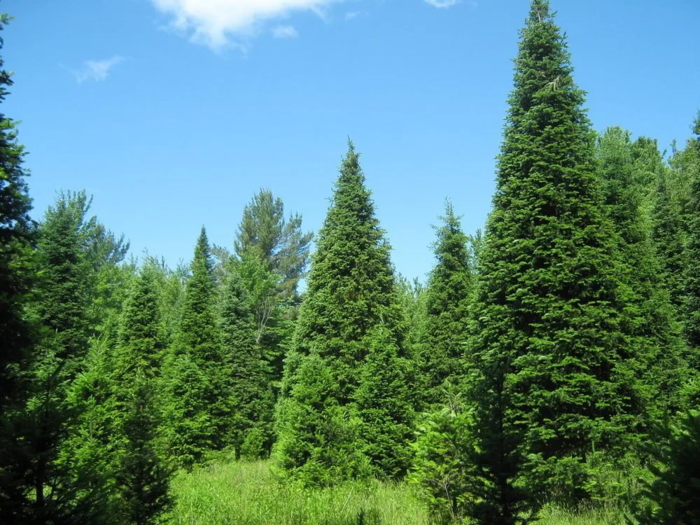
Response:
column 539, row 361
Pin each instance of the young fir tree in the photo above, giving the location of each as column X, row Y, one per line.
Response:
column 16, row 238
column 627, row 171
column 141, row 474
column 553, row 382
column 351, row 292
column 196, row 407
column 447, row 302
column 249, row 390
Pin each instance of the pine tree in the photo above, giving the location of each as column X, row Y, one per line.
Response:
column 351, row 292
column 196, row 407
column 553, row 382
column 16, row 239
column 447, row 302
column 279, row 242
column 249, row 389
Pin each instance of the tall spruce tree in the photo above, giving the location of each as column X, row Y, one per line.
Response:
column 196, row 406
column 553, row 380
column 16, row 239
column 351, row 292
column 447, row 303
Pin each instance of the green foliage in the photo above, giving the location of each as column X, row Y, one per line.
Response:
column 553, row 379
column 196, row 406
column 692, row 273
column 249, row 387
column 17, row 234
column 351, row 286
column 318, row 437
column 265, row 233
column 675, row 493
column 442, row 469
column 383, row 404
column 447, row 308
column 351, row 294
column 627, row 170
column 142, row 476
column 247, row 493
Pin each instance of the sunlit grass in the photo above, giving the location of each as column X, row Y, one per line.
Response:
column 239, row 493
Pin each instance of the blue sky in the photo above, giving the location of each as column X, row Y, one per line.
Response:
column 173, row 113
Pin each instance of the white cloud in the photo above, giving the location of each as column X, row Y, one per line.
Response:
column 212, row 22
column 352, row 15
column 96, row 70
column 285, row 32
column 440, row 4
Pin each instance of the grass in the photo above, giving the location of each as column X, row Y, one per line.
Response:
column 239, row 493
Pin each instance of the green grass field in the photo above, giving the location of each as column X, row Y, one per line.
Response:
column 235, row 493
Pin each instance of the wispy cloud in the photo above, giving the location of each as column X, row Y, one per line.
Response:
column 352, row 15
column 96, row 70
column 285, row 32
column 214, row 22
column 442, row 4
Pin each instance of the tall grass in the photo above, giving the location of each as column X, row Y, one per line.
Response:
column 248, row 494
column 239, row 493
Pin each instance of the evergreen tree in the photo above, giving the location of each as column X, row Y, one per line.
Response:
column 196, row 407
column 447, row 303
column 250, row 392
column 351, row 292
column 442, row 470
column 279, row 242
column 383, row 403
column 141, row 475
column 60, row 306
column 692, row 273
column 627, row 172
column 16, row 238
column 553, row 381
column 674, row 496
column 318, row 438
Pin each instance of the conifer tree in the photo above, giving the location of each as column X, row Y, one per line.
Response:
column 60, row 306
column 141, row 475
column 692, row 273
column 384, row 406
column 351, row 292
column 553, row 381
column 627, row 171
column 250, row 390
column 447, row 302
column 196, row 406
column 318, row 437
column 16, row 238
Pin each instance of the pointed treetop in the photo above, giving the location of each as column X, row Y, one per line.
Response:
column 539, row 11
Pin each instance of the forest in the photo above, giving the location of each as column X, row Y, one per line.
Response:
column 546, row 371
